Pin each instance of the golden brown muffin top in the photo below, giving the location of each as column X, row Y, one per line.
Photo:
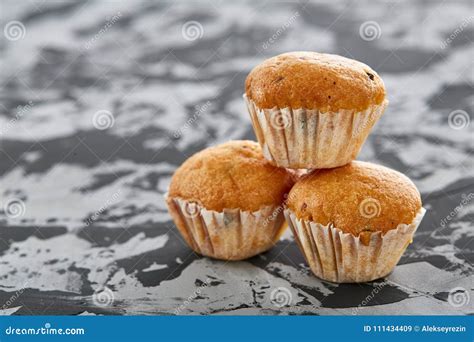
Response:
column 231, row 175
column 356, row 198
column 314, row 80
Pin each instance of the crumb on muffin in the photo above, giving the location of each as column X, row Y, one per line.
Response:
column 357, row 198
column 314, row 80
column 231, row 175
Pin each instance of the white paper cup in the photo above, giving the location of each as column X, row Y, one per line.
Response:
column 342, row 257
column 311, row 139
column 232, row 234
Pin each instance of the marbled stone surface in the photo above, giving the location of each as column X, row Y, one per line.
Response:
column 83, row 224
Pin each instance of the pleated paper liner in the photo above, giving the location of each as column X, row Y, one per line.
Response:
column 232, row 234
column 342, row 257
column 310, row 139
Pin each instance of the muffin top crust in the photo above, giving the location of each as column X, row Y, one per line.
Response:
column 357, row 198
column 231, row 175
column 314, row 80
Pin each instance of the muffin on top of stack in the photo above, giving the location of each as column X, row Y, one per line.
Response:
column 352, row 220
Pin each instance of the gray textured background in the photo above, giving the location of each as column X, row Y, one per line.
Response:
column 83, row 224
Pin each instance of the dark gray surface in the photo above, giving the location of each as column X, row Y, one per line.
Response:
column 93, row 236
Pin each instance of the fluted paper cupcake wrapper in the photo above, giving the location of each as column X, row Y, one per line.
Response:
column 342, row 258
column 232, row 234
column 303, row 138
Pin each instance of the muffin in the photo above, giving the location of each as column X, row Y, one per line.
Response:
column 227, row 200
column 354, row 222
column 313, row 110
